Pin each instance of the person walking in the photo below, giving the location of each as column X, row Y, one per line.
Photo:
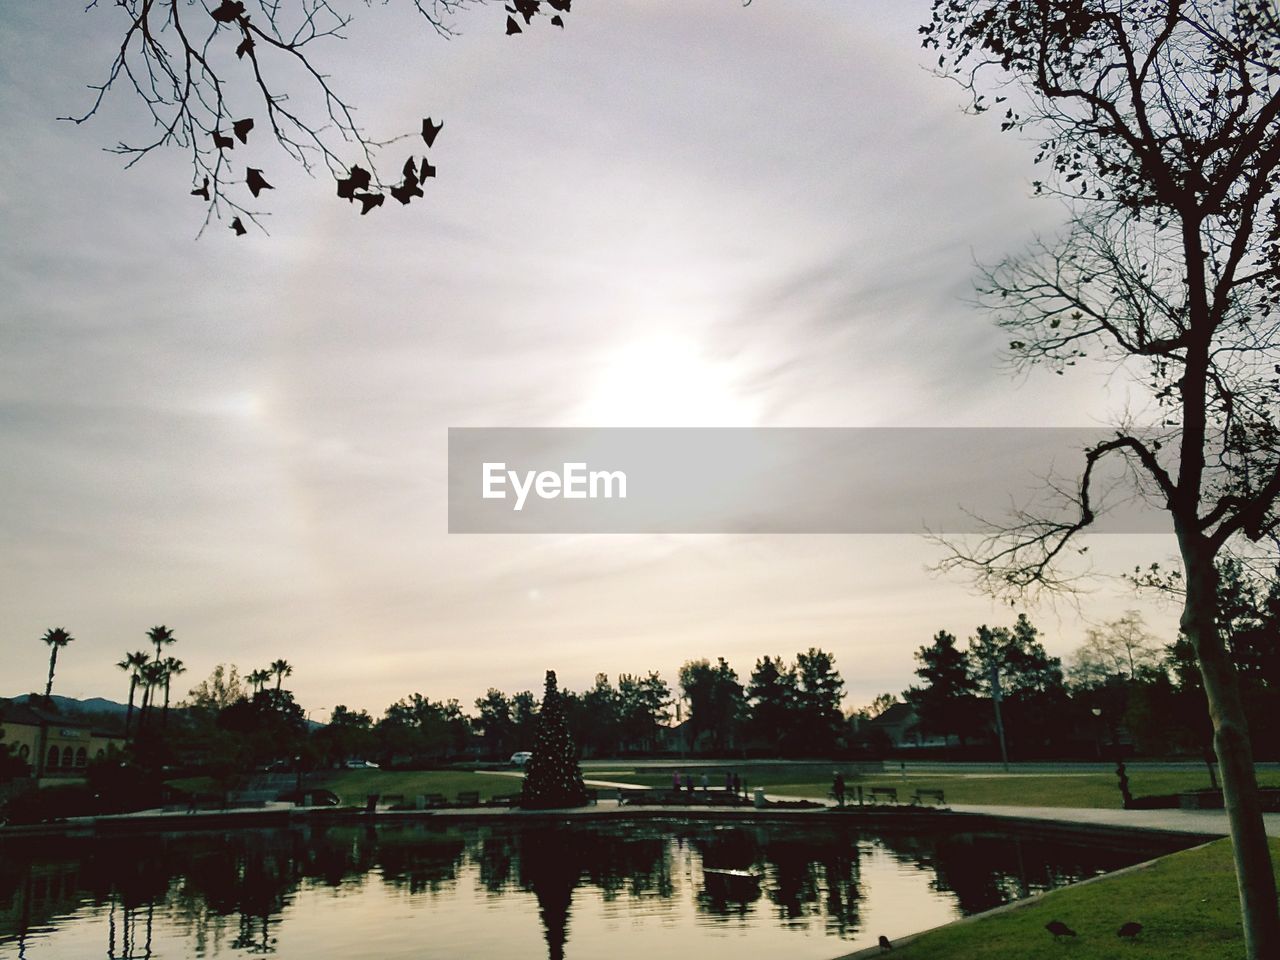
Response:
column 837, row 788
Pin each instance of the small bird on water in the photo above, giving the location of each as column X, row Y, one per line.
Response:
column 885, row 945
column 1129, row 930
column 1059, row 929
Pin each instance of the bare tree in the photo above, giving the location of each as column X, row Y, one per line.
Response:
column 1119, row 647
column 1157, row 125
column 210, row 75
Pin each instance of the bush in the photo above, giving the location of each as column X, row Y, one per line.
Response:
column 51, row 803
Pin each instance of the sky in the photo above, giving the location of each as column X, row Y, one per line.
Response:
column 694, row 214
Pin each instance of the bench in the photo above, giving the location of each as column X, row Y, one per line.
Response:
column 605, row 793
column 469, row 798
column 393, row 800
column 887, row 794
column 503, row 800
column 922, row 795
column 436, row 800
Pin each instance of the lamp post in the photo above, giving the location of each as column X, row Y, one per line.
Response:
column 1121, row 774
column 996, row 697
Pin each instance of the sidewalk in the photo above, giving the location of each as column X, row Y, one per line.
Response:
column 1181, row 821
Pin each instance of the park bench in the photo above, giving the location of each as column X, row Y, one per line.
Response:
column 436, row 800
column 605, row 793
column 922, row 795
column 393, row 800
column 469, row 798
column 503, row 800
column 886, row 794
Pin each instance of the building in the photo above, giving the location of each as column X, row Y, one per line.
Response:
column 53, row 744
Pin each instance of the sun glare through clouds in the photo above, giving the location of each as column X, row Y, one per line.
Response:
column 666, row 380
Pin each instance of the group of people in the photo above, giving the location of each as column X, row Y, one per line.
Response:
column 733, row 783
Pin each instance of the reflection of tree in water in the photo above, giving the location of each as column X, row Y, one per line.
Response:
column 804, row 873
column 495, row 856
column 635, row 862
column 339, row 855
column 420, row 862
column 817, row 876
column 550, row 867
column 228, row 890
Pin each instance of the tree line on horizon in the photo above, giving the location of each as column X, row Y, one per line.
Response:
column 1148, row 694
column 1136, row 690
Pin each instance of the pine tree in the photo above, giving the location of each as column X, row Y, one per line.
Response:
column 553, row 777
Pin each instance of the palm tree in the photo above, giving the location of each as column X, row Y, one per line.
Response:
column 56, row 638
column 161, row 636
column 282, row 669
column 258, row 679
column 151, row 678
column 132, row 664
column 172, row 667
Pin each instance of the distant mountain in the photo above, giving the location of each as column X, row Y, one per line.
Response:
column 72, row 705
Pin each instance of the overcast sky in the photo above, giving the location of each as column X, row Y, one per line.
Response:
column 668, row 214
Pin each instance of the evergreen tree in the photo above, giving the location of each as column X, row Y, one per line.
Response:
column 945, row 704
column 772, row 696
column 818, row 693
column 553, row 777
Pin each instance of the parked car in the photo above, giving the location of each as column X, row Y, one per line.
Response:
column 361, row 765
column 520, row 758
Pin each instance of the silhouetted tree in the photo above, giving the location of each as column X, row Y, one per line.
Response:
column 281, row 669
column 819, row 692
column 552, row 776
column 132, row 664
column 1160, row 123
column 56, row 638
column 187, row 65
column 172, row 668
column 945, row 703
column 716, row 701
column 643, row 708
column 494, row 721
column 771, row 698
column 161, row 637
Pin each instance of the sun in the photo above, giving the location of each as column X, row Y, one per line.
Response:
column 665, row 380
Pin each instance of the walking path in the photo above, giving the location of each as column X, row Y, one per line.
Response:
column 1178, row 821
column 1181, row 821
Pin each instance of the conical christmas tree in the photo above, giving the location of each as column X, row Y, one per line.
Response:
column 553, row 777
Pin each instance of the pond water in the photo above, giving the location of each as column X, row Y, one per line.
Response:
column 582, row 889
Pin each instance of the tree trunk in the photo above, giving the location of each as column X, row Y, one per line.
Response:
column 128, row 717
column 1254, row 876
column 53, row 662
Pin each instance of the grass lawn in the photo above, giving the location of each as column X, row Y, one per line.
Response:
column 1032, row 790
column 352, row 786
column 1186, row 903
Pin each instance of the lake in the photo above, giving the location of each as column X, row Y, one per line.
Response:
column 561, row 889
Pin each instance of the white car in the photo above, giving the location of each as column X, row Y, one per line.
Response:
column 361, row 765
column 521, row 758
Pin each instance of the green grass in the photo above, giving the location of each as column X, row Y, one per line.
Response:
column 1032, row 790
column 352, row 786
column 1186, row 902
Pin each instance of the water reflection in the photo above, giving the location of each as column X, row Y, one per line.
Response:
column 408, row 890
